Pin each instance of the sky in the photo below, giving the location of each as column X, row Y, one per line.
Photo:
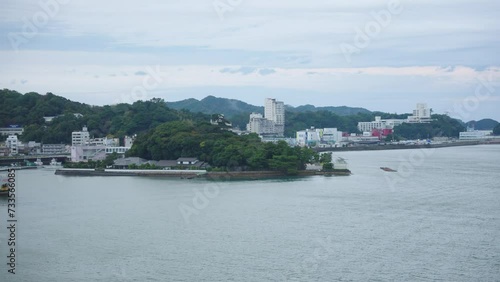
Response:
column 384, row 55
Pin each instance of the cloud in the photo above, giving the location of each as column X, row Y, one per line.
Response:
column 242, row 70
column 266, row 71
column 431, row 48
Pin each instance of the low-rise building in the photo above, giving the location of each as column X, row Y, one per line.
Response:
column 260, row 125
column 124, row 163
column 53, row 149
column 187, row 161
column 85, row 153
column 380, row 124
column 321, row 136
column 118, row 150
column 476, row 135
column 32, row 148
column 11, row 130
column 4, row 151
column 108, row 142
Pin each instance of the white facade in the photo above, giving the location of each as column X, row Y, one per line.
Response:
column 318, row 136
column 108, row 142
column 422, row 114
column 80, row 137
column 13, row 144
column 258, row 124
column 11, row 130
column 129, row 141
column 273, row 121
column 379, row 123
column 275, row 112
column 118, row 150
column 476, row 135
column 83, row 148
column 82, row 153
column 53, row 149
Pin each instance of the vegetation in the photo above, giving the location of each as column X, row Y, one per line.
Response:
column 326, row 160
column 296, row 121
column 118, row 120
column 442, row 126
column 144, row 166
column 496, row 130
column 484, row 124
column 233, row 108
column 219, row 148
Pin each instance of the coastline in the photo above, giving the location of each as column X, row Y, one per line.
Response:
column 191, row 174
column 404, row 147
column 17, row 168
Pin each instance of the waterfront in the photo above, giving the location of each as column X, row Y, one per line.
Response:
column 438, row 218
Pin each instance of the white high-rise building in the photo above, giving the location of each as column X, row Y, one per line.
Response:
column 275, row 111
column 273, row 121
column 80, row 137
column 13, row 144
column 422, row 114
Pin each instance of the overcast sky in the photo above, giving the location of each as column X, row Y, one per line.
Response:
column 381, row 55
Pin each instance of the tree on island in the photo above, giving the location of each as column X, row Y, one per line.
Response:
column 326, row 160
column 219, row 148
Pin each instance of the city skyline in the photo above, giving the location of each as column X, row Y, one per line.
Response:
column 379, row 55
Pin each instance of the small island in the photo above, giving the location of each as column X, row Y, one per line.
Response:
column 188, row 149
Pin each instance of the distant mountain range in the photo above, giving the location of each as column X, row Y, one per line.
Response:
column 233, row 107
column 484, row 124
column 236, row 108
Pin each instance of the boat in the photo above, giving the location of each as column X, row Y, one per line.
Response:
column 53, row 162
column 388, row 169
column 38, row 162
column 4, row 189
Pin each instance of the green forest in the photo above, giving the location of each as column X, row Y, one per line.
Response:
column 496, row 130
column 220, row 148
column 119, row 120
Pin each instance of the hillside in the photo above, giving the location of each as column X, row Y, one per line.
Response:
column 214, row 105
column 484, row 124
column 233, row 107
column 341, row 111
column 29, row 109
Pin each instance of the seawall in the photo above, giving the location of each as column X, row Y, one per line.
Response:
column 189, row 174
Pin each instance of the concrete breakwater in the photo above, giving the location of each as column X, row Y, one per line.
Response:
column 189, row 174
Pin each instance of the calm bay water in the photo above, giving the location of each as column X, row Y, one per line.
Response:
column 438, row 218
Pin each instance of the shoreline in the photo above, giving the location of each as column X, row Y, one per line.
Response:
column 198, row 174
column 17, row 168
column 403, row 147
